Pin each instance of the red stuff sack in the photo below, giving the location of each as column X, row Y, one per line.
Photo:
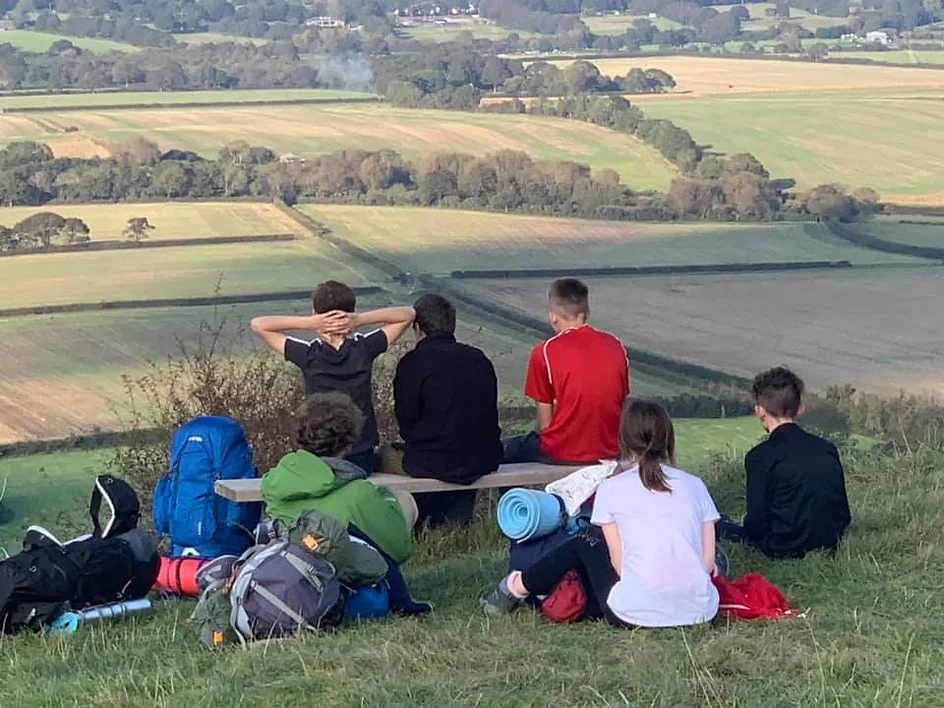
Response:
column 567, row 601
column 752, row 597
column 178, row 576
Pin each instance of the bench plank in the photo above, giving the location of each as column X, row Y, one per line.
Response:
column 524, row 474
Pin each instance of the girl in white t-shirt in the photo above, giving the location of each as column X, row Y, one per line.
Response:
column 651, row 563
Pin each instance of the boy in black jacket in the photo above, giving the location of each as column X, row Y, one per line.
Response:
column 796, row 490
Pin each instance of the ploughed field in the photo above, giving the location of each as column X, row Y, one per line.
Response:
column 311, row 130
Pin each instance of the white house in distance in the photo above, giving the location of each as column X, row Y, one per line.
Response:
column 877, row 37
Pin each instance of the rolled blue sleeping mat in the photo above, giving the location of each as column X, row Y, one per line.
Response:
column 524, row 514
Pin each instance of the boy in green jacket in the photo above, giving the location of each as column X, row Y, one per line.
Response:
column 316, row 477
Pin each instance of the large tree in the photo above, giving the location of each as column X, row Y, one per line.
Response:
column 138, row 228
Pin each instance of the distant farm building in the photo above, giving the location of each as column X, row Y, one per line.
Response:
column 325, row 23
column 877, row 37
column 291, row 158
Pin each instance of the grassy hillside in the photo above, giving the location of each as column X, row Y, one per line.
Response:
column 314, row 130
column 928, row 233
column 899, row 56
column 891, row 141
column 216, row 38
column 718, row 75
column 860, row 327
column 178, row 220
column 870, row 635
column 440, row 240
column 31, row 41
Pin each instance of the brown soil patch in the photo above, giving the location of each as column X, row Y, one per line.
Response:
column 79, row 146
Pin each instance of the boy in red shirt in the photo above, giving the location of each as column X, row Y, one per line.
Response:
column 579, row 379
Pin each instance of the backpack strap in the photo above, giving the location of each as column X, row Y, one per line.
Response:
column 121, row 502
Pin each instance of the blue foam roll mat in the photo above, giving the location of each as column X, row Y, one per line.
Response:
column 524, row 514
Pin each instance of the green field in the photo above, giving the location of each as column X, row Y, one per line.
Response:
column 900, row 56
column 453, row 30
column 890, row 141
column 928, row 233
column 441, row 240
column 41, row 41
column 170, row 98
column 856, row 326
column 618, row 24
column 176, row 220
column 314, row 130
column 217, row 38
column 192, row 271
column 871, row 634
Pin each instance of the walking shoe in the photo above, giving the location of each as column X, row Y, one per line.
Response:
column 500, row 601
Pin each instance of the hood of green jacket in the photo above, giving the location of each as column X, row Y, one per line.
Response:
column 299, row 475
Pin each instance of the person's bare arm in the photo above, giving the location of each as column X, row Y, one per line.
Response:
column 614, row 544
column 394, row 320
column 708, row 545
column 545, row 412
column 271, row 330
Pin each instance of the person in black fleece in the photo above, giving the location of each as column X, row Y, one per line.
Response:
column 446, row 402
column 796, row 490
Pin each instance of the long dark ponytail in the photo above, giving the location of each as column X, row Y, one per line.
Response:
column 647, row 436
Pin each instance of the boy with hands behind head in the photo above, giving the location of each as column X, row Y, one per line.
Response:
column 340, row 359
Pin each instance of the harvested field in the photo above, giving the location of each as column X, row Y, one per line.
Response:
column 901, row 56
column 719, row 75
column 440, row 240
column 193, row 271
column 170, row 98
column 314, row 130
column 171, row 220
column 891, row 141
column 62, row 374
column 863, row 327
column 82, row 147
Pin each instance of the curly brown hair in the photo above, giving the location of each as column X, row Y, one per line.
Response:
column 328, row 424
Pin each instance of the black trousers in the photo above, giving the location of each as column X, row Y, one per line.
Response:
column 588, row 555
column 527, row 448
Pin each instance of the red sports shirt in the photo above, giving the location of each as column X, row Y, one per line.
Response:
column 585, row 374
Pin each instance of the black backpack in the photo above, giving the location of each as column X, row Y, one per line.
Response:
column 116, row 562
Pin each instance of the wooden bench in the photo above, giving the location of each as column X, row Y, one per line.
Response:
column 524, row 474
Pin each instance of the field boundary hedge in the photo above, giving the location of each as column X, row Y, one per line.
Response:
column 114, row 245
column 845, row 232
column 173, row 302
column 708, row 268
column 321, row 231
column 187, row 105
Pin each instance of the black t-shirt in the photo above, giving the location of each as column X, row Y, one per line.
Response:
column 347, row 370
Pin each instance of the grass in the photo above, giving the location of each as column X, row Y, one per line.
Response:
column 871, row 635
column 876, row 329
column 892, row 141
column 31, row 41
column 449, row 31
column 315, row 130
column 718, row 75
column 169, row 98
column 175, row 220
column 930, row 233
column 899, row 56
column 614, row 25
column 192, row 271
column 440, row 241
column 217, row 38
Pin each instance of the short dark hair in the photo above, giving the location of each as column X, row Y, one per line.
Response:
column 435, row 315
column 332, row 295
column 779, row 391
column 328, row 424
column 569, row 295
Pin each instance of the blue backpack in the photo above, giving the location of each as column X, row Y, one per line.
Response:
column 200, row 522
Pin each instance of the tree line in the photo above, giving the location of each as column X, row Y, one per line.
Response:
column 507, row 181
column 43, row 231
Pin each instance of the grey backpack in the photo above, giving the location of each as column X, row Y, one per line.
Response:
column 283, row 589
